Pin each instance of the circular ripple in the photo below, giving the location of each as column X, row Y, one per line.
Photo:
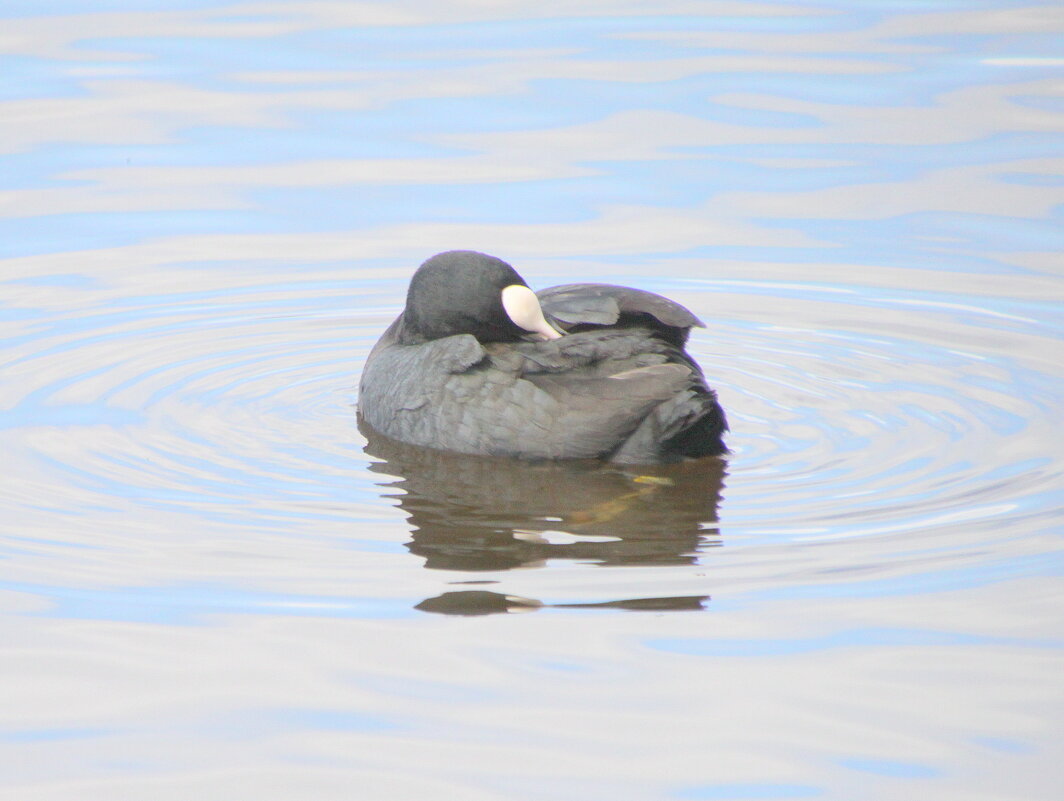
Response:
column 233, row 405
column 874, row 415
column 854, row 412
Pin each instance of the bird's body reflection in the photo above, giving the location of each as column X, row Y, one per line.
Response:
column 476, row 513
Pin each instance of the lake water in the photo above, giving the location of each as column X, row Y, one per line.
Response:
column 211, row 590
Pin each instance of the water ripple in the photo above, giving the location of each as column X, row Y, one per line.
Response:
column 209, row 213
column 206, row 399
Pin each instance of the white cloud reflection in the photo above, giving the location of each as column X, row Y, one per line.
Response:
column 574, row 151
column 126, row 110
column 59, row 36
column 898, row 33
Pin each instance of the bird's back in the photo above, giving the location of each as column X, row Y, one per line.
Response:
column 622, row 394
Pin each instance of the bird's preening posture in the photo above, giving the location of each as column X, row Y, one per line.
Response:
column 479, row 363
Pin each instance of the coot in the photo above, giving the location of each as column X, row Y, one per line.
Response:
column 478, row 363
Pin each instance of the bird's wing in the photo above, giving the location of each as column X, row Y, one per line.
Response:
column 557, row 415
column 589, row 353
column 574, row 397
column 606, row 304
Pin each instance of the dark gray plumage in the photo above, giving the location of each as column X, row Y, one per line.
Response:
column 455, row 372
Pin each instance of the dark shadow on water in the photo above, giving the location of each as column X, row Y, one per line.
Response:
column 475, row 513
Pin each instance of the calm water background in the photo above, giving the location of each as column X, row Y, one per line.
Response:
column 209, row 590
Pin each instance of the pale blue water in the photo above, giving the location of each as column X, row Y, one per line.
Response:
column 209, row 590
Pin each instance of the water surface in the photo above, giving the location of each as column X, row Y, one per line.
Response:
column 215, row 587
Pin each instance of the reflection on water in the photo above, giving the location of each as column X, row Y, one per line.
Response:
column 483, row 602
column 472, row 513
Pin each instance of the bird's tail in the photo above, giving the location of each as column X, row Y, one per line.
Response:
column 691, row 424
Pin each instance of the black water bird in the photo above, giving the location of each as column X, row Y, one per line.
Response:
column 478, row 363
